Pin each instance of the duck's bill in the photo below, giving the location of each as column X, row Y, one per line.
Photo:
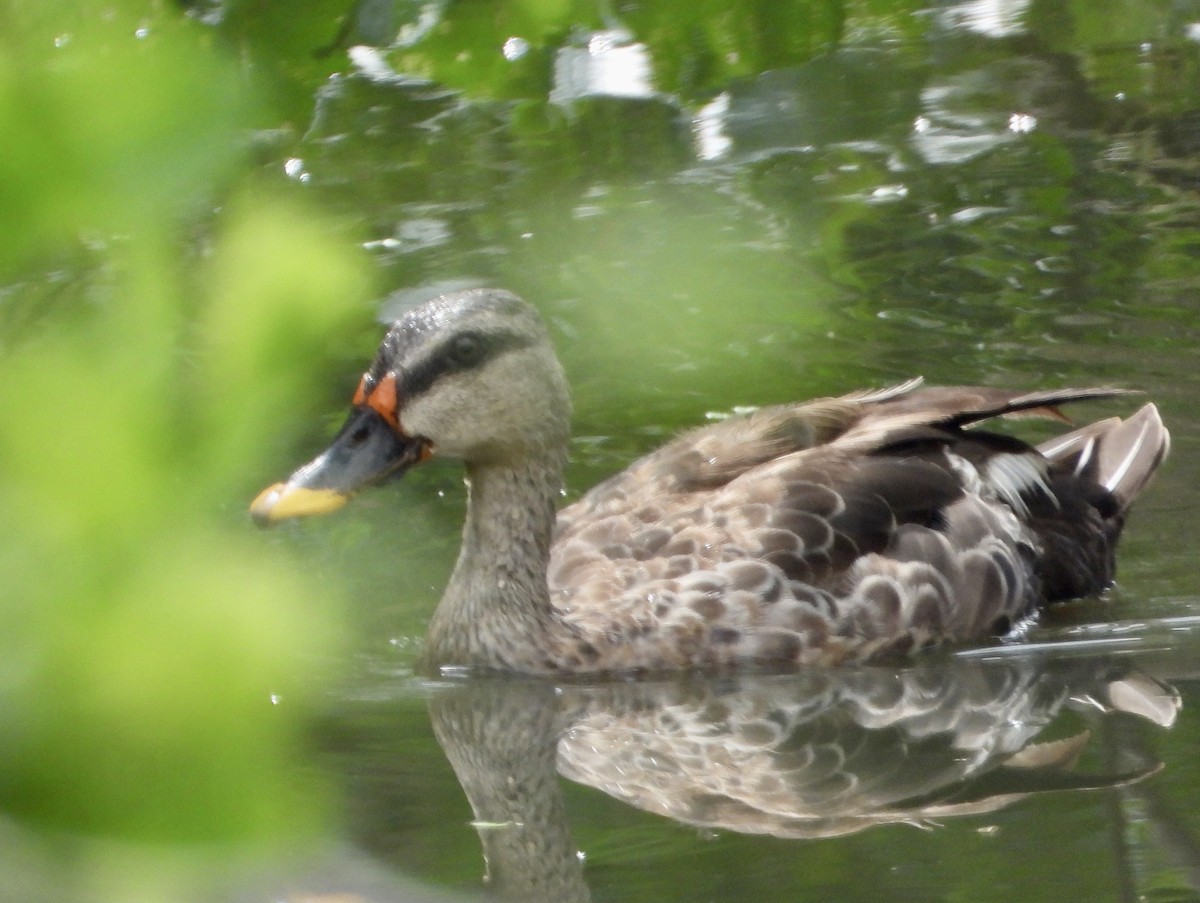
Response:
column 366, row 451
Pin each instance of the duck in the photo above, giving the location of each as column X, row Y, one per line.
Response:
column 840, row 530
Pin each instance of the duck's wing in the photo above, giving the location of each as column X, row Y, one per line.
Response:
column 711, row 456
column 844, row 528
column 859, row 424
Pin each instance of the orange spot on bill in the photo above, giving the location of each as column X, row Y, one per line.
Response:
column 383, row 401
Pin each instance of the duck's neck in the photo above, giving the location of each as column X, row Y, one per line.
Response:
column 501, row 738
column 496, row 610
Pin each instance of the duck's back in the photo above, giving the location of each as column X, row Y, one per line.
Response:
column 844, row 529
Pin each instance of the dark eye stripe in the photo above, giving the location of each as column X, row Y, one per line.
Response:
column 443, row 360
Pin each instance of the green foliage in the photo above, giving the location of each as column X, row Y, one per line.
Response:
column 158, row 661
column 100, row 124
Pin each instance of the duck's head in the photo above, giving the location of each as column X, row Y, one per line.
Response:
column 469, row 375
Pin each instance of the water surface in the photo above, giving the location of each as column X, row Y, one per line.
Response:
column 740, row 206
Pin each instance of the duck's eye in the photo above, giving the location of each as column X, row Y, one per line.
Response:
column 466, row 350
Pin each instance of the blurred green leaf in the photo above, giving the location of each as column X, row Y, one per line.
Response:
column 280, row 293
column 158, row 668
column 101, row 113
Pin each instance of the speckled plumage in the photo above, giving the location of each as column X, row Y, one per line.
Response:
column 836, row 530
column 825, row 753
column 839, row 530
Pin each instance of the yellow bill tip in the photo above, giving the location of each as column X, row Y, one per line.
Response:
column 283, row 501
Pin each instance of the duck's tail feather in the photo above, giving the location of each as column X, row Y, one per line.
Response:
column 1120, row 455
column 1095, row 474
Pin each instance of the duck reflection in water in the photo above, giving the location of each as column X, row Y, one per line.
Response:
column 809, row 755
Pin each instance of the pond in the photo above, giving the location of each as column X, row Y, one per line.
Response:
column 741, row 206
column 717, row 205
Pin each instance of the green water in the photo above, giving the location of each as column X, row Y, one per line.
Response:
column 718, row 204
column 770, row 219
column 912, row 197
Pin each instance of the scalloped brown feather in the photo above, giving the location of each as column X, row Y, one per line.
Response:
column 840, row 529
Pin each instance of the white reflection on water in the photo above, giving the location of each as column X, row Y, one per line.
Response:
column 994, row 18
column 950, row 131
column 611, row 64
column 712, row 140
column 515, row 48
